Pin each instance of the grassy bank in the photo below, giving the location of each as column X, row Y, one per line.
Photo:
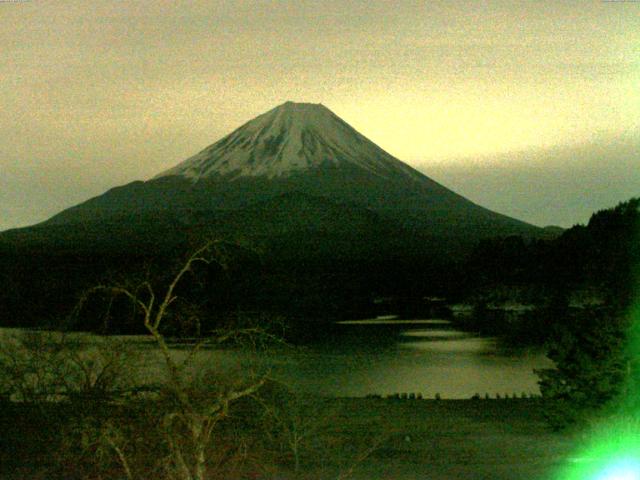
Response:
column 363, row 439
column 456, row 439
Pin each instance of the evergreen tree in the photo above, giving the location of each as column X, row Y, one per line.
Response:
column 588, row 350
column 594, row 349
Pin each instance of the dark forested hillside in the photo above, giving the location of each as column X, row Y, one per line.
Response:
column 599, row 257
column 43, row 282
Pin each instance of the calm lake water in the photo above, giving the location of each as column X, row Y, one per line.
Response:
column 360, row 358
column 421, row 356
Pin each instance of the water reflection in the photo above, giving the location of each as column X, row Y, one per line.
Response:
column 425, row 356
column 359, row 359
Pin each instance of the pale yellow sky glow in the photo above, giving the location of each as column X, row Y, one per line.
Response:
column 96, row 94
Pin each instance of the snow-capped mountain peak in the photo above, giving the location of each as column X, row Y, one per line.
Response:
column 290, row 138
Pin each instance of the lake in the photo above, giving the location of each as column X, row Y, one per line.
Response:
column 386, row 356
column 366, row 357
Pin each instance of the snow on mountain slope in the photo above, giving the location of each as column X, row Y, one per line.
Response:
column 290, row 138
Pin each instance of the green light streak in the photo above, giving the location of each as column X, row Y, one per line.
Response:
column 613, row 454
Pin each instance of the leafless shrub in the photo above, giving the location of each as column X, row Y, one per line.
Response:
column 295, row 424
column 192, row 411
column 40, row 366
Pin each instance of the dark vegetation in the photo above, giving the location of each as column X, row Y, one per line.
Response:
column 74, row 408
column 599, row 256
column 117, row 428
column 580, row 285
column 502, row 440
column 595, row 351
column 308, row 278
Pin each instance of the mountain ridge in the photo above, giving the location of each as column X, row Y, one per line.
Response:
column 347, row 223
column 338, row 168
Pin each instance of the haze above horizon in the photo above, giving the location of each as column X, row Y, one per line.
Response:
column 529, row 109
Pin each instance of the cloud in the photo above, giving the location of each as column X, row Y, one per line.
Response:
column 554, row 186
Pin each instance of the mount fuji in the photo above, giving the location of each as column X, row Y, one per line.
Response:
column 291, row 138
column 297, row 179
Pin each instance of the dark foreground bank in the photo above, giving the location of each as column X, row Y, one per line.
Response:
column 336, row 439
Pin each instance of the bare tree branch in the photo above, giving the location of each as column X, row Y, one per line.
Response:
column 187, row 429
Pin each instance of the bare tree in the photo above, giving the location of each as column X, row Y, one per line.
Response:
column 186, row 430
column 29, row 367
column 73, row 381
column 40, row 366
column 189, row 424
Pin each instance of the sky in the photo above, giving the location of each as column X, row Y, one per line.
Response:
column 529, row 108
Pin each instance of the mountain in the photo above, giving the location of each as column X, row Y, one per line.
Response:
column 291, row 138
column 295, row 171
column 331, row 221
